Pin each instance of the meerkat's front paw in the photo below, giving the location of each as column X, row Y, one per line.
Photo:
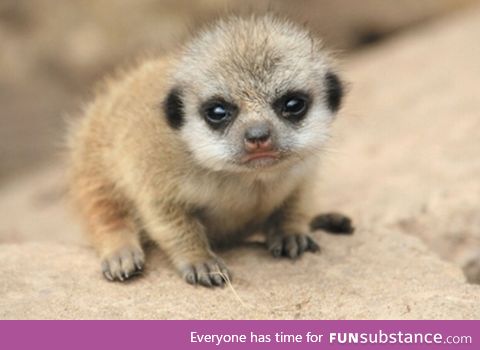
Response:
column 291, row 245
column 209, row 273
column 123, row 263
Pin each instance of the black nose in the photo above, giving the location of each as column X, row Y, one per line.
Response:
column 257, row 134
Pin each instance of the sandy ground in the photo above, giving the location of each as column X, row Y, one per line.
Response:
column 404, row 164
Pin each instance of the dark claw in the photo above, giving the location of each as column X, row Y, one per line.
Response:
column 205, row 281
column 217, row 280
column 106, row 272
column 211, row 273
column 275, row 245
column 277, row 251
column 119, row 276
column 302, row 242
column 291, row 246
column 216, row 274
column 203, row 275
column 139, row 260
column 226, row 276
column 333, row 223
column 189, row 276
column 123, row 265
column 313, row 246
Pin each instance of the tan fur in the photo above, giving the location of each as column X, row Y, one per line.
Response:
column 130, row 171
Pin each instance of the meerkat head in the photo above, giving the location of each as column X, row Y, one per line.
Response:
column 250, row 94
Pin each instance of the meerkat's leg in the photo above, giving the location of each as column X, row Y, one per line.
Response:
column 286, row 231
column 182, row 236
column 113, row 233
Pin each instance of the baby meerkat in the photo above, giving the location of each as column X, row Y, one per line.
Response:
column 206, row 146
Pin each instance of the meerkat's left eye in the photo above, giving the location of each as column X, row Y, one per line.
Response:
column 292, row 106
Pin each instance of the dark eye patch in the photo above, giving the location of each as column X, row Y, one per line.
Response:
column 292, row 106
column 335, row 91
column 218, row 113
column 173, row 109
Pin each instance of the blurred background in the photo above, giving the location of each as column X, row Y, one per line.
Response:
column 52, row 52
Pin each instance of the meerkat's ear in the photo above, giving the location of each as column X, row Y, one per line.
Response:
column 173, row 109
column 335, row 91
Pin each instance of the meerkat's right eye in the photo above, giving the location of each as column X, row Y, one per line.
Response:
column 218, row 113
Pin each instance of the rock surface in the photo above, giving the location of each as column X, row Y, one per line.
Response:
column 404, row 165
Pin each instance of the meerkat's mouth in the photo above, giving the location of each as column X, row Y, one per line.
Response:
column 261, row 159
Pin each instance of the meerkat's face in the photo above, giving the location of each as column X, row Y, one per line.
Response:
column 250, row 94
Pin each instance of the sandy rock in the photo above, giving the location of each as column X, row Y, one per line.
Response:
column 373, row 275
